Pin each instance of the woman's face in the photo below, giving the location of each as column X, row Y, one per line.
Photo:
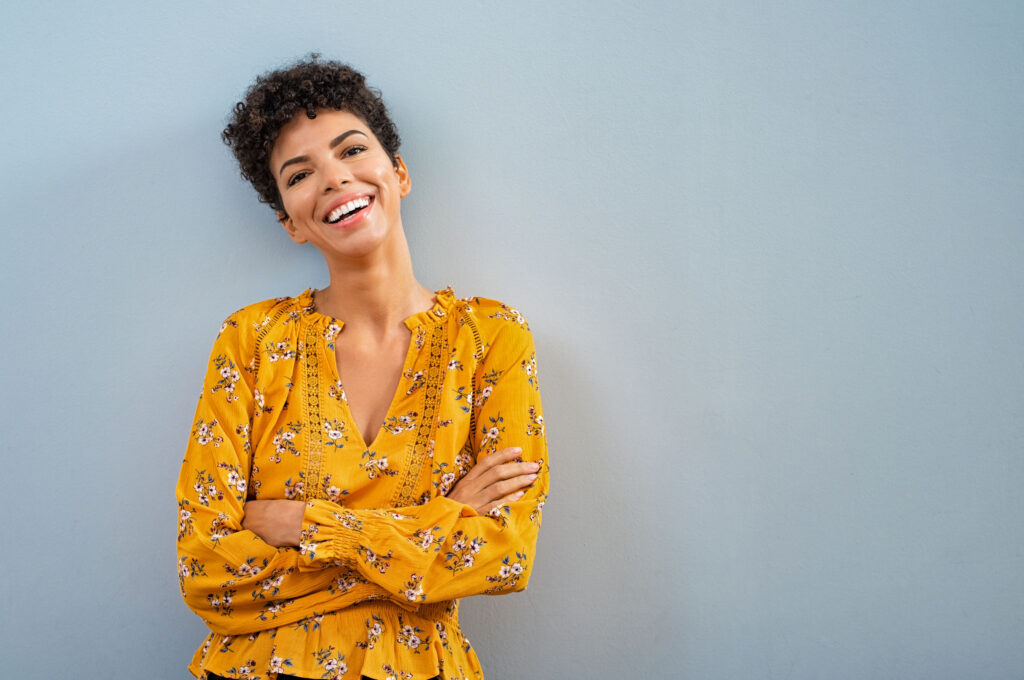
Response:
column 340, row 190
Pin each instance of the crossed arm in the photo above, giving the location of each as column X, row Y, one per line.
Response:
column 495, row 481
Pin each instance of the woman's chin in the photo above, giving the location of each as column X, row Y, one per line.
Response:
column 355, row 245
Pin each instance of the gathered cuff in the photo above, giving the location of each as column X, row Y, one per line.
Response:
column 330, row 535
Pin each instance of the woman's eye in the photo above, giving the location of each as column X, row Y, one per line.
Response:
column 297, row 177
column 353, row 150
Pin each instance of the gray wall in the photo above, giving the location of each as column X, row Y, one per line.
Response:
column 771, row 253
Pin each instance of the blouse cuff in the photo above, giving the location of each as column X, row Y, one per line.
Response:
column 464, row 510
column 330, row 534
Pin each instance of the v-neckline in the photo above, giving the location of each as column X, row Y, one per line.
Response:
column 410, row 354
column 443, row 300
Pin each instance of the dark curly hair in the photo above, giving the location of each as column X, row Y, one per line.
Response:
column 306, row 86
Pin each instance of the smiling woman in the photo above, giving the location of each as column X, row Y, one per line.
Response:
column 361, row 209
column 365, row 454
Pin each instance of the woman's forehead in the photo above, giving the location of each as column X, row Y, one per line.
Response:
column 303, row 133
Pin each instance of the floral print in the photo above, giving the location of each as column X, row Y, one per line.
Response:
column 509, row 314
column 374, row 630
column 529, row 366
column 336, row 391
column 413, row 589
column 206, row 489
column 416, row 380
column 411, row 636
column 535, row 426
column 392, row 674
column 284, row 441
column 461, row 553
column 330, row 491
column 295, row 490
column 271, row 609
column 229, row 375
column 379, row 562
column 508, row 574
column 203, row 433
column 273, row 421
column 335, row 431
column 331, row 332
column 427, row 539
column 400, row 424
column 278, row 351
column 332, row 663
column 184, row 520
column 375, row 466
column 492, row 434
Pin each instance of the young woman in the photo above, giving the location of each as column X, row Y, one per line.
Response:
column 365, row 454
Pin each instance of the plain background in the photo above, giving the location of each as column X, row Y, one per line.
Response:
column 771, row 253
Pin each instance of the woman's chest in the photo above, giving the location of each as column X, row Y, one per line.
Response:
column 306, row 443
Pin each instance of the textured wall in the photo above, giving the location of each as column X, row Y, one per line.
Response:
column 771, row 253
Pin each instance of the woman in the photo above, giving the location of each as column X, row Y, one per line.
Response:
column 362, row 455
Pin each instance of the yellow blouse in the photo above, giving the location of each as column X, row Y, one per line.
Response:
column 372, row 589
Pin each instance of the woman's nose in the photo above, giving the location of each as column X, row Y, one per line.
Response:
column 337, row 177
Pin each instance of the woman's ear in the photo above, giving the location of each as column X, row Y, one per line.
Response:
column 404, row 181
column 289, row 226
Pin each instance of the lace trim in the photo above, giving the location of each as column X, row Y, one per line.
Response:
column 423, row 448
column 314, row 419
column 478, row 356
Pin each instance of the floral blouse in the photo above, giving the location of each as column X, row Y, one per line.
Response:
column 373, row 587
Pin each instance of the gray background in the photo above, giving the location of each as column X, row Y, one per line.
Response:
column 771, row 253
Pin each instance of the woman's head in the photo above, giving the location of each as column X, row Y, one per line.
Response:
column 305, row 87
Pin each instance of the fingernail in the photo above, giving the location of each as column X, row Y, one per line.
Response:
column 535, row 466
column 532, row 477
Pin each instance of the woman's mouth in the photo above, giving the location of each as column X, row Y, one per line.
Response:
column 348, row 210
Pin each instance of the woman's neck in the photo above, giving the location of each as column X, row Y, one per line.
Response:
column 374, row 294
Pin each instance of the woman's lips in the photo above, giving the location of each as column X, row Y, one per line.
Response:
column 347, row 212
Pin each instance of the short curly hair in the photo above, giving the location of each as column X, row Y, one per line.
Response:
column 274, row 99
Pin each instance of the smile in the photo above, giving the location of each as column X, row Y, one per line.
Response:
column 347, row 210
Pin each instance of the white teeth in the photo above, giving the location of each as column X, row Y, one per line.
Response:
column 351, row 206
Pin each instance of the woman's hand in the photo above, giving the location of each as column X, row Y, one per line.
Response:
column 278, row 522
column 494, row 481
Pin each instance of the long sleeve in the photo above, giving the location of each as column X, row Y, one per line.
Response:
column 442, row 549
column 232, row 579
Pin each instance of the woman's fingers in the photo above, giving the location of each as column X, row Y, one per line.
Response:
column 498, row 458
column 507, row 472
column 494, row 494
column 488, row 463
column 511, row 498
column 511, row 485
column 503, row 479
column 494, row 480
column 503, row 464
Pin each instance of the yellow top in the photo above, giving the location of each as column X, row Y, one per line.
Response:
column 372, row 588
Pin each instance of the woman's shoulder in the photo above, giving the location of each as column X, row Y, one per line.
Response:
column 492, row 313
column 251, row 319
column 499, row 327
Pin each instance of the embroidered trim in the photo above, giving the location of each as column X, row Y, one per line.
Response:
column 478, row 356
column 264, row 329
column 314, row 419
column 423, row 447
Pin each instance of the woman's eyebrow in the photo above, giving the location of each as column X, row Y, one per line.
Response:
column 334, row 142
column 292, row 161
column 341, row 138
